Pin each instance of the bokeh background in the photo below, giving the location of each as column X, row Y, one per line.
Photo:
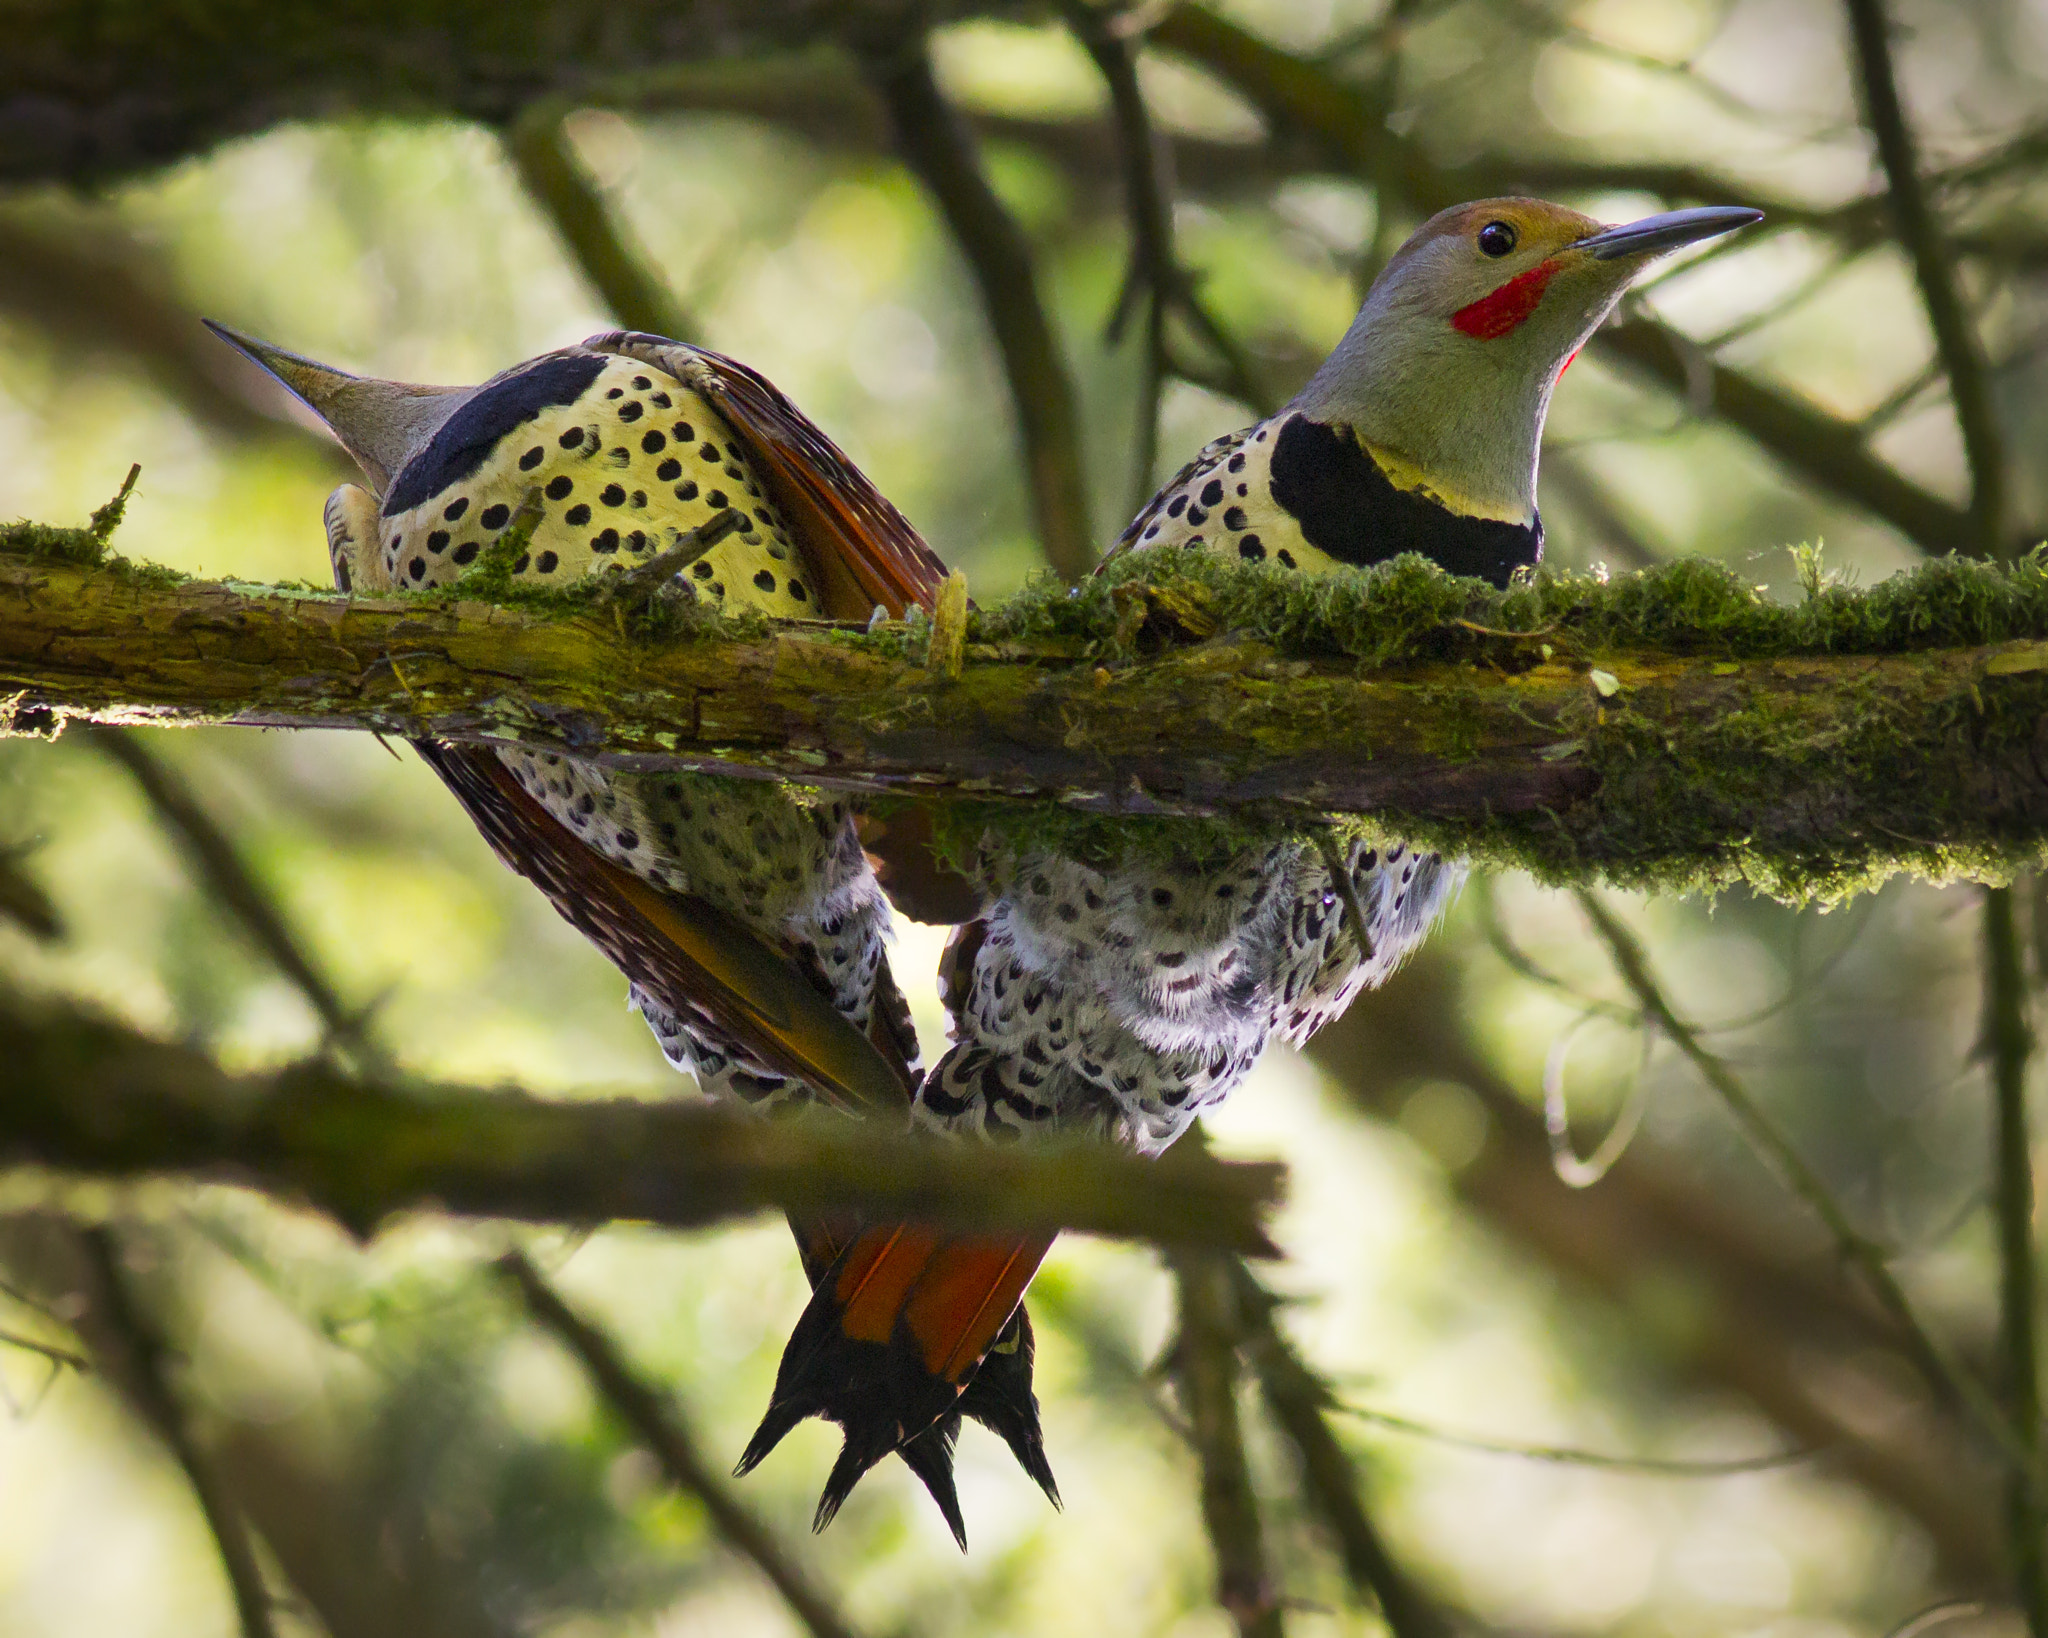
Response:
column 1553, row 1397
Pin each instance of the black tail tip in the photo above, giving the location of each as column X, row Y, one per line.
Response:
column 839, row 1483
column 930, row 1457
column 774, row 1427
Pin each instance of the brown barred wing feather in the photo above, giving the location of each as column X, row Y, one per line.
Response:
column 692, row 958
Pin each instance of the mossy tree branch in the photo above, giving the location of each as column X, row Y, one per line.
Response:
column 1671, row 729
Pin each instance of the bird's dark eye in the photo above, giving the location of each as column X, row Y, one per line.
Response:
column 1496, row 238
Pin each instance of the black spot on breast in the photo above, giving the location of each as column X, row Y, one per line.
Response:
column 438, row 540
column 717, row 498
column 605, row 541
column 1251, row 548
column 684, row 432
column 796, row 590
column 764, row 580
column 494, row 517
column 710, row 453
column 653, row 441
column 576, row 516
column 1212, row 492
column 1176, row 506
column 632, row 410
column 639, row 497
column 532, row 458
column 417, row 568
column 661, row 400
column 701, row 569
column 686, row 490
column 1235, row 518
column 571, row 438
column 641, row 383
column 636, row 541
column 467, row 437
column 1346, row 506
column 613, row 495
column 546, row 562
column 668, row 471
column 1287, row 558
column 1237, row 461
column 456, row 508
column 466, row 552
column 558, row 487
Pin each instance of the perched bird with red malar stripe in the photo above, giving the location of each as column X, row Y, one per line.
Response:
column 1118, row 998
column 745, row 914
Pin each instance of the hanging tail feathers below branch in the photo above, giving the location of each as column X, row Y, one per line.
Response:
column 909, row 1330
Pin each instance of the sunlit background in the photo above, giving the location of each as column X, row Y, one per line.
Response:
column 391, row 1400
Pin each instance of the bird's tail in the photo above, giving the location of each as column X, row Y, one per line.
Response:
column 908, row 1330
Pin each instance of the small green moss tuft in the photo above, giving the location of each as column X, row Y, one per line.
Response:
column 87, row 546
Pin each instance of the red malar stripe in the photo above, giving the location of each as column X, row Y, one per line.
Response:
column 1491, row 317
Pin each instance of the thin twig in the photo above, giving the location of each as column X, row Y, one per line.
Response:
column 1933, row 1360
column 230, row 883
column 2008, row 1042
column 1300, row 1402
column 1955, row 339
column 560, row 184
column 940, row 149
column 124, row 1329
column 645, row 579
column 657, row 1422
column 1205, row 1364
column 1660, row 1467
column 1347, row 891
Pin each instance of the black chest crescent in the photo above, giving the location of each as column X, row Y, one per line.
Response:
column 1346, row 506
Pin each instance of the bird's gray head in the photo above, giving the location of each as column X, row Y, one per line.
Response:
column 1449, row 366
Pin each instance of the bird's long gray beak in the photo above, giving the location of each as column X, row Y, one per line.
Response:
column 1654, row 234
column 383, row 424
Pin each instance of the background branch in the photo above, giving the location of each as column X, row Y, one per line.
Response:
column 1954, row 336
column 938, row 147
column 1205, row 1366
column 657, row 1422
column 230, row 883
column 561, row 186
column 133, row 1355
column 2007, row 1044
column 88, row 1097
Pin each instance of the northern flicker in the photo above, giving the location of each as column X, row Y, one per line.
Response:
column 745, row 915
column 1120, row 998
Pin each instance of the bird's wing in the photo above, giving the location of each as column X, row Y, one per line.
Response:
column 692, row 958
column 864, row 551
